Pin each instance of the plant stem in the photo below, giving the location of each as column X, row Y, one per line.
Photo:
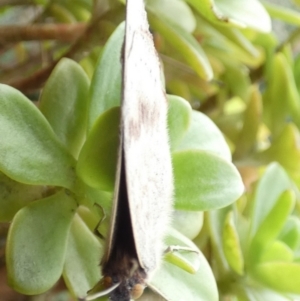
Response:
column 61, row 32
column 16, row 2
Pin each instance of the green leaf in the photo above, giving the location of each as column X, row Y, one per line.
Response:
column 281, row 86
column 36, row 243
column 290, row 233
column 184, row 43
column 242, row 13
column 30, row 152
column 203, row 134
column 79, row 12
column 285, row 143
column 272, row 224
column 252, row 120
column 272, row 184
column 179, row 118
column 236, row 37
column 230, row 122
column 236, row 79
column 64, row 103
column 297, row 72
column 170, row 10
column 61, row 14
column 287, row 50
column 204, row 181
column 277, row 251
column 100, row 197
column 274, row 221
column 216, row 220
column 84, row 251
column 14, row 196
column 281, row 276
column 98, row 159
column 87, row 4
column 257, row 293
column 223, row 43
column 105, row 90
column 189, row 223
column 283, row 13
column 91, row 215
column 231, row 245
column 200, row 286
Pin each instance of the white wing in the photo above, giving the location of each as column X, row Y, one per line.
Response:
column 145, row 139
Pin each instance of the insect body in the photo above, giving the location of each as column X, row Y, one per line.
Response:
column 144, row 183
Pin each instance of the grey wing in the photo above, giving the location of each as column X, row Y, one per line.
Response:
column 111, row 231
column 144, row 124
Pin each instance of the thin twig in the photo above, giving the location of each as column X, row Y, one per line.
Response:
column 61, row 32
column 96, row 33
column 77, row 51
column 16, row 2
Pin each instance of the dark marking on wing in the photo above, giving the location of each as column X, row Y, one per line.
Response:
column 148, row 115
column 134, row 129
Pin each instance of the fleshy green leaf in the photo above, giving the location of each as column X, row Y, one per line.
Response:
column 29, row 150
column 273, row 223
column 204, row 181
column 203, row 134
column 216, row 220
column 252, row 119
column 290, row 234
column 277, row 251
column 243, row 13
column 14, row 196
column 100, row 197
column 297, row 72
column 272, row 184
column 282, row 276
column 185, row 44
column 281, row 85
column 191, row 228
column 237, row 79
column 200, row 286
column 171, row 9
column 83, row 254
column 36, row 243
column 61, row 14
column 64, row 103
column 98, row 159
column 78, row 11
column 230, row 123
column 179, row 118
column 285, row 142
column 258, row 293
column 231, row 245
column 283, row 13
column 105, row 90
column 223, row 43
column 236, row 37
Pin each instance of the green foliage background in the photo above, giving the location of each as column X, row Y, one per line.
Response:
column 236, row 112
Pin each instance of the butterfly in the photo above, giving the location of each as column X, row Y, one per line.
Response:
column 142, row 202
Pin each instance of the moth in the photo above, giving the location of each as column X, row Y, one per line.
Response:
column 142, row 201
